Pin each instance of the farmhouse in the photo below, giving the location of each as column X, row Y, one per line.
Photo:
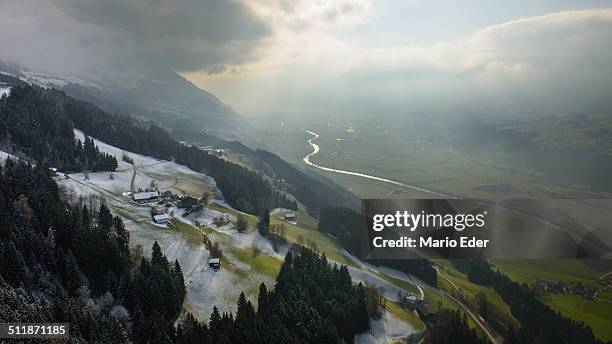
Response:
column 161, row 219
column 412, row 301
column 146, row 197
column 215, row 263
column 290, row 217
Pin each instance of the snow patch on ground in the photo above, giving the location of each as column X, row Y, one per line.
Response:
column 242, row 240
column 206, row 287
column 139, row 160
column 389, row 289
column 386, row 330
column 5, row 90
column 48, row 81
column 4, row 155
column 166, row 173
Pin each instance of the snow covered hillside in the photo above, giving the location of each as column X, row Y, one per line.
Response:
column 248, row 258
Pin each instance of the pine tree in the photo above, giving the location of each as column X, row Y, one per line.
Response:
column 85, row 218
column 158, row 259
column 264, row 223
column 13, row 266
column 105, row 219
column 215, row 319
column 123, row 236
column 73, row 277
column 262, row 299
column 179, row 280
column 245, row 312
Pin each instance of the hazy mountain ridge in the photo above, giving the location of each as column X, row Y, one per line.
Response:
column 165, row 97
column 573, row 147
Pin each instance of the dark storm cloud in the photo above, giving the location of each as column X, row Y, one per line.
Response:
column 93, row 35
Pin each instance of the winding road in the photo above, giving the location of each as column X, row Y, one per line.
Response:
column 494, row 337
column 316, row 149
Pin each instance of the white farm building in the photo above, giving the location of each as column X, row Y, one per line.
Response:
column 161, row 219
column 146, row 197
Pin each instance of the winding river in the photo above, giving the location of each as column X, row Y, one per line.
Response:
column 316, row 149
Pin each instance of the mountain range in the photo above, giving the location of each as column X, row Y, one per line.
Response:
column 164, row 97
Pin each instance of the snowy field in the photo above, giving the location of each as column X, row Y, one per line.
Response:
column 167, row 174
column 388, row 329
column 206, row 287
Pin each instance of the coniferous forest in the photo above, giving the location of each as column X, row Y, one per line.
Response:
column 451, row 327
column 34, row 126
column 70, row 262
column 312, row 302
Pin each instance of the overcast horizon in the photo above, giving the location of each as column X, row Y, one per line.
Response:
column 351, row 56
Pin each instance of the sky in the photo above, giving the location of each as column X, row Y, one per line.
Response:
column 342, row 56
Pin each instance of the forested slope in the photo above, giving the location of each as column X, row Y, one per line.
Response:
column 34, row 126
column 539, row 323
column 71, row 263
column 243, row 189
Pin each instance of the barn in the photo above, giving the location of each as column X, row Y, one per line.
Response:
column 215, row 263
column 146, row 197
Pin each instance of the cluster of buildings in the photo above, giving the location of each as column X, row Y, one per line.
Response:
column 212, row 150
column 166, row 198
column 423, row 308
column 560, row 288
column 148, row 197
column 208, row 149
column 163, row 216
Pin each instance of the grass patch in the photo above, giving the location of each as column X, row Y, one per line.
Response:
column 596, row 312
column 259, row 262
column 191, row 233
column 251, row 219
column 564, row 270
column 440, row 301
column 454, row 280
column 325, row 244
column 306, row 221
column 404, row 314
column 397, row 282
